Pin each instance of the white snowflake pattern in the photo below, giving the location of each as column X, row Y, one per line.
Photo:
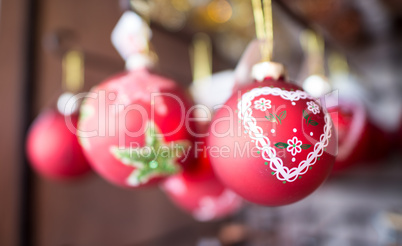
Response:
column 262, row 104
column 294, row 146
column 313, row 107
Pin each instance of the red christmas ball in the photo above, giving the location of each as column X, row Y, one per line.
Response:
column 200, row 193
column 52, row 146
column 272, row 143
column 398, row 136
column 352, row 126
column 381, row 144
column 133, row 128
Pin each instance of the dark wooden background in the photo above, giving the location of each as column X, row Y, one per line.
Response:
column 90, row 211
column 33, row 36
column 12, row 54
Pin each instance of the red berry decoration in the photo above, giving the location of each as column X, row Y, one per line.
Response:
column 200, row 193
column 133, row 128
column 280, row 142
column 53, row 148
column 351, row 124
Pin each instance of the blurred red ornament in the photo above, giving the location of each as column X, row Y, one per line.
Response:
column 380, row 144
column 133, row 128
column 352, row 126
column 280, row 143
column 200, row 193
column 397, row 138
column 53, row 148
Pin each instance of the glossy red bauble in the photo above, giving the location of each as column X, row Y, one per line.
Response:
column 352, row 126
column 200, row 193
column 272, row 143
column 381, row 144
column 52, row 147
column 398, row 138
column 133, row 128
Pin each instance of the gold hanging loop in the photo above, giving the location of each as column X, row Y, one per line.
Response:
column 73, row 71
column 262, row 10
column 201, row 57
column 337, row 63
column 314, row 47
column 269, row 31
column 144, row 9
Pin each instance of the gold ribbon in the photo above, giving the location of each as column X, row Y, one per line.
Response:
column 73, row 71
column 262, row 10
column 313, row 46
column 201, row 57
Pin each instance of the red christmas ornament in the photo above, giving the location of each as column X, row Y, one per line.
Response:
column 133, row 128
column 351, row 124
column 399, row 137
column 200, row 193
column 53, row 148
column 272, row 143
column 380, row 143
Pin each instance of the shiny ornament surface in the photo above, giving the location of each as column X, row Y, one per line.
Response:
column 353, row 130
column 381, row 144
column 133, row 128
column 200, row 193
column 52, row 146
column 272, row 143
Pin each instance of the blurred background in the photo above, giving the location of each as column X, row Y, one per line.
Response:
column 361, row 206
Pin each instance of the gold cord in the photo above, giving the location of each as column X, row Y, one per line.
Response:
column 314, row 47
column 201, row 57
column 73, row 71
column 262, row 10
column 338, row 63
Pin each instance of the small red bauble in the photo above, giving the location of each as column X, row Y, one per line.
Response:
column 53, row 148
column 399, row 137
column 133, row 128
column 200, row 193
column 381, row 144
column 272, row 143
column 351, row 124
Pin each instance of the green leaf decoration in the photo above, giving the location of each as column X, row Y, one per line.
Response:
column 86, row 112
column 279, row 119
column 313, row 122
column 283, row 115
column 309, row 121
column 305, row 115
column 281, row 145
column 155, row 159
column 151, row 135
column 271, row 118
column 276, row 118
column 305, row 146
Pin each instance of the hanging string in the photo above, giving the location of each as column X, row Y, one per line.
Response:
column 269, row 31
column 262, row 10
column 201, row 57
column 258, row 19
column 313, row 46
column 144, row 10
column 73, row 71
column 337, row 63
